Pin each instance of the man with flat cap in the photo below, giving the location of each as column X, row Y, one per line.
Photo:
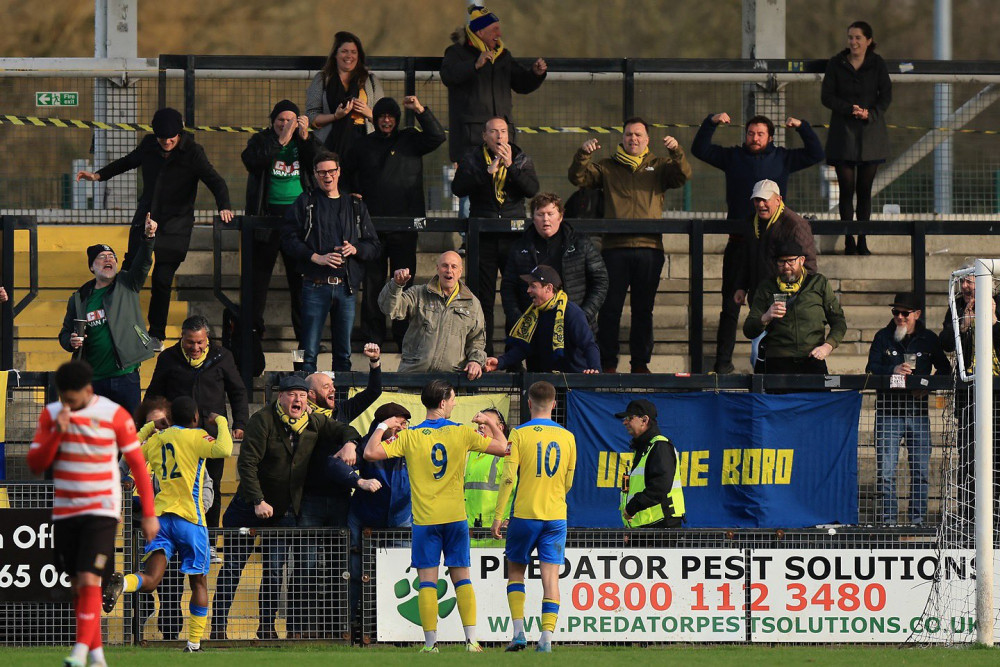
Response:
column 112, row 337
column 904, row 347
column 553, row 334
column 800, row 313
column 272, row 464
column 172, row 163
column 651, row 496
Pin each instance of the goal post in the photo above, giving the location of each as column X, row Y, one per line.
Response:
column 985, row 269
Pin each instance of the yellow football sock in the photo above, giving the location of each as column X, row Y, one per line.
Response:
column 466, row 602
column 133, row 582
column 427, row 602
column 550, row 612
column 196, row 623
column 515, row 599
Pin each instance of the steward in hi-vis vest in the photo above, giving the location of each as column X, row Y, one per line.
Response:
column 652, row 496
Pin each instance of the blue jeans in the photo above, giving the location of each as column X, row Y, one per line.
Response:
column 889, row 431
column 122, row 389
column 240, row 514
column 317, row 301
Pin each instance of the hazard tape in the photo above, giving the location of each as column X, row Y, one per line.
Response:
column 37, row 121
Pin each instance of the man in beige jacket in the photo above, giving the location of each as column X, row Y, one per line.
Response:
column 447, row 332
column 634, row 182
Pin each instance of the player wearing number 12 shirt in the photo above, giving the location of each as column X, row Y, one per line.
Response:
column 541, row 466
column 177, row 457
column 435, row 452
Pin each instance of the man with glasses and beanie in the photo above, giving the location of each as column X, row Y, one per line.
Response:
column 904, row 347
column 103, row 325
column 652, row 496
column 800, row 313
column 330, row 236
column 172, row 164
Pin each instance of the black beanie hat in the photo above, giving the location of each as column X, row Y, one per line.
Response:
column 95, row 250
column 284, row 105
column 386, row 105
column 167, row 123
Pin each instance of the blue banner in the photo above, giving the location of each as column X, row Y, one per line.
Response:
column 746, row 460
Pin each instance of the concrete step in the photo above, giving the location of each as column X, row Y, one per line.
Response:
column 48, row 313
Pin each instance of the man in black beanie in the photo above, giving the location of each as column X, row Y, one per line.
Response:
column 278, row 162
column 172, row 163
column 386, row 169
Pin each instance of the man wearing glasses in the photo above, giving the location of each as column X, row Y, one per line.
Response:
column 904, row 347
column 800, row 313
column 329, row 236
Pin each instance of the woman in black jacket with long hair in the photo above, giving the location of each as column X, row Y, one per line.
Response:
column 857, row 89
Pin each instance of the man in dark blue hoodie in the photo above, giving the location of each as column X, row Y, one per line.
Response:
column 756, row 159
column 386, row 168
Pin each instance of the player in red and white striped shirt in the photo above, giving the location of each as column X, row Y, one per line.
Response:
column 79, row 437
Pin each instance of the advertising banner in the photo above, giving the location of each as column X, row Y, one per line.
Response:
column 27, row 569
column 608, row 595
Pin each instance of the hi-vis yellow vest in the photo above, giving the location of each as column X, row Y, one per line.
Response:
column 635, row 482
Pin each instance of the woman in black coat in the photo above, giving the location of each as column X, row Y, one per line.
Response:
column 172, row 164
column 857, row 89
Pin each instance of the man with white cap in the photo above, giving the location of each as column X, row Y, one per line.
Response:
column 773, row 224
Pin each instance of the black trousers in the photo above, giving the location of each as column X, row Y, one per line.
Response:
column 791, row 366
column 493, row 250
column 399, row 251
column 729, row 317
column 265, row 255
column 161, row 281
column 639, row 268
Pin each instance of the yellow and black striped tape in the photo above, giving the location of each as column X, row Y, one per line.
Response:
column 38, row 121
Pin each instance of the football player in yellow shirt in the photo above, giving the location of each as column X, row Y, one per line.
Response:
column 543, row 458
column 436, row 452
column 177, row 457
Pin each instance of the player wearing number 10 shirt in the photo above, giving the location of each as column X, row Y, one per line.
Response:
column 541, row 466
column 436, row 451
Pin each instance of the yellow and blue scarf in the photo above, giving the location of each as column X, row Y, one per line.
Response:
column 499, row 176
column 524, row 330
column 770, row 221
column 326, row 412
column 633, row 162
column 297, row 424
column 195, row 363
column 478, row 43
column 792, row 288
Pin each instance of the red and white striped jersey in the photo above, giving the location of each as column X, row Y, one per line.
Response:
column 85, row 469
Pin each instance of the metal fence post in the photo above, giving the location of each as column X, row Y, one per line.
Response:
column 628, row 89
column 918, row 254
column 189, row 92
column 246, row 321
column 6, row 309
column 696, row 294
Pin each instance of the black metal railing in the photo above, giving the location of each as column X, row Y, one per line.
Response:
column 13, row 307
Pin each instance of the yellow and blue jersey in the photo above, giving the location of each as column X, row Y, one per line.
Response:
column 436, row 452
column 541, row 465
column 177, row 458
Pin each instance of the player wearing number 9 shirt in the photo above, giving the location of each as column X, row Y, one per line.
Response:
column 435, row 452
column 177, row 458
column 541, row 466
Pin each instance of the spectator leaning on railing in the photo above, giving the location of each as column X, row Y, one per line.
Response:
column 744, row 165
column 279, row 168
column 634, row 182
column 111, row 337
column 904, row 347
column 553, row 242
column 446, row 332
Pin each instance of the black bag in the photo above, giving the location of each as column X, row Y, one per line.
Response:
column 232, row 337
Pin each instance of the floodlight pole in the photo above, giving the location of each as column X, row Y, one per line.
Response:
column 983, row 379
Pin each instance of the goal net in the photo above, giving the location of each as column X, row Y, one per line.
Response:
column 972, row 487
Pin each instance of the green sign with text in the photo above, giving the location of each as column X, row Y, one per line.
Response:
column 57, row 99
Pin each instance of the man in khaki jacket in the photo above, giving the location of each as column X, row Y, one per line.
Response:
column 634, row 182
column 447, row 331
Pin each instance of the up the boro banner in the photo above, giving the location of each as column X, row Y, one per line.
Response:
column 703, row 595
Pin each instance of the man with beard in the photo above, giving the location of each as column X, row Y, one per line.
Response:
column 744, row 165
column 496, row 176
column 386, row 168
column 794, row 309
column 904, row 347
